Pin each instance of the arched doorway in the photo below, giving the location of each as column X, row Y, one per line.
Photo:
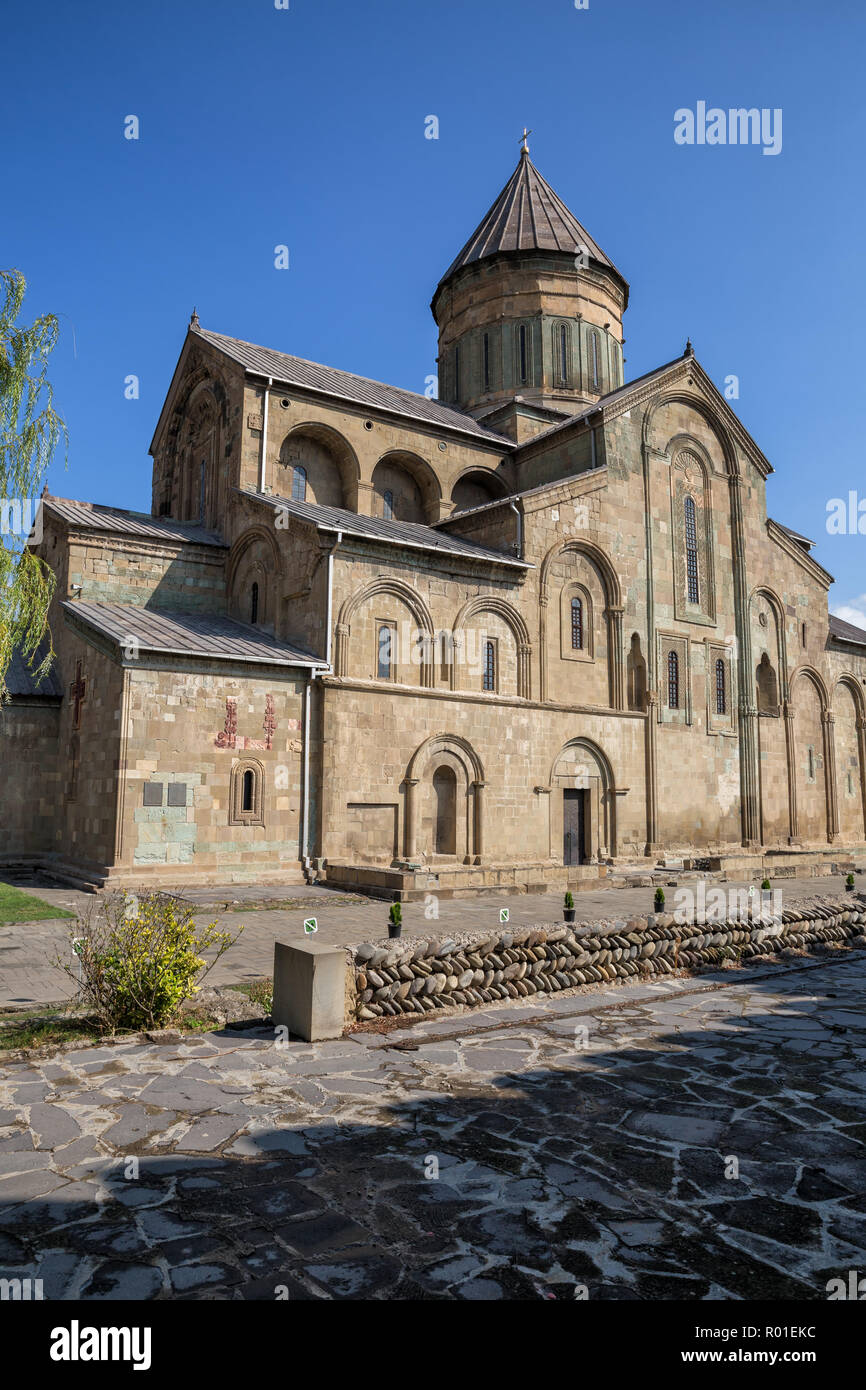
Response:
column 444, row 805
column 582, row 805
column 445, row 801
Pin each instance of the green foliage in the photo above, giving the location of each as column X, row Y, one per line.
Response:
column 660, row 900
column 395, row 914
column 30, row 430
column 765, row 885
column 850, row 881
column 140, row 959
column 569, row 901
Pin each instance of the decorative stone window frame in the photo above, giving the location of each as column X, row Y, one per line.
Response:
column 494, row 643
column 529, row 378
column 690, row 477
column 615, row 363
column 594, row 359
column 256, row 815
column 392, row 664
column 587, row 651
column 720, row 723
column 560, row 377
column 674, row 642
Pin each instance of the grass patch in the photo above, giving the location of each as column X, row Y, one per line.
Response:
column 53, row 1032
column 47, row 1032
column 260, row 992
column 16, row 906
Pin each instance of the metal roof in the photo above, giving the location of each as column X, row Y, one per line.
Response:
column 528, row 216
column 846, row 632
column 345, row 386
column 186, row 634
column 89, row 516
column 401, row 534
column 20, row 676
column 801, row 540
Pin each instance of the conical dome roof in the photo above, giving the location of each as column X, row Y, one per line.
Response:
column 528, row 216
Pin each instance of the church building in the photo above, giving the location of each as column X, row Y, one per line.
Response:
column 525, row 634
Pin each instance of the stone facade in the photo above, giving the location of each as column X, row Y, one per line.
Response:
column 512, row 640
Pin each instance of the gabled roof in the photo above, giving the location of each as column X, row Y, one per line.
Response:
column 89, row 516
column 345, row 386
column 185, row 634
column 846, row 632
column 528, row 216
column 402, row 535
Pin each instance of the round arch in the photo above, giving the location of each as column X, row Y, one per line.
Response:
column 810, row 674
column 851, row 684
column 477, row 487
column 679, row 396
column 421, row 473
column 612, row 612
column 569, row 773
column 456, row 754
column 338, row 447
column 254, row 559
column 413, row 601
column 490, row 603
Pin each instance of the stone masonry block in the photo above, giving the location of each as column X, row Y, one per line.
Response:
column 309, row 989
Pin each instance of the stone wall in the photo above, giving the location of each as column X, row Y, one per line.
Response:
column 29, row 731
column 415, row 977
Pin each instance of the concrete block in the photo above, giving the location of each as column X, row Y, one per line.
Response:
column 310, row 989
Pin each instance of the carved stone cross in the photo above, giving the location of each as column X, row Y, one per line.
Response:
column 78, row 692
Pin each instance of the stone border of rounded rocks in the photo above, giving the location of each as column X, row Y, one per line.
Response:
column 418, row 977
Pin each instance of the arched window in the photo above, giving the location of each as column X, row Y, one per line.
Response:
column 246, row 793
column 521, row 337
column 299, row 483
column 384, row 662
column 563, row 352
column 577, row 624
column 803, row 635
column 489, row 666
column 254, row 604
column 691, row 531
column 721, row 691
column 594, row 359
column 388, row 506
column 486, row 357
column 673, row 681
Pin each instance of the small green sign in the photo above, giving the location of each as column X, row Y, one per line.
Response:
column 503, row 915
column 310, row 925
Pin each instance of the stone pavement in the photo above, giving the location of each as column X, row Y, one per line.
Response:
column 679, row 1139
column 27, row 948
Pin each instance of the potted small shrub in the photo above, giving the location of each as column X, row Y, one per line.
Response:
column 849, row 884
column 568, row 910
column 659, row 900
column 395, row 920
column 765, row 885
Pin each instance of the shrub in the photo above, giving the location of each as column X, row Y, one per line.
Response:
column 660, row 900
column 765, row 885
column 849, row 882
column 395, row 914
column 569, row 901
column 139, row 959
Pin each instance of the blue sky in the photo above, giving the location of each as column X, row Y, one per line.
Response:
column 305, row 127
